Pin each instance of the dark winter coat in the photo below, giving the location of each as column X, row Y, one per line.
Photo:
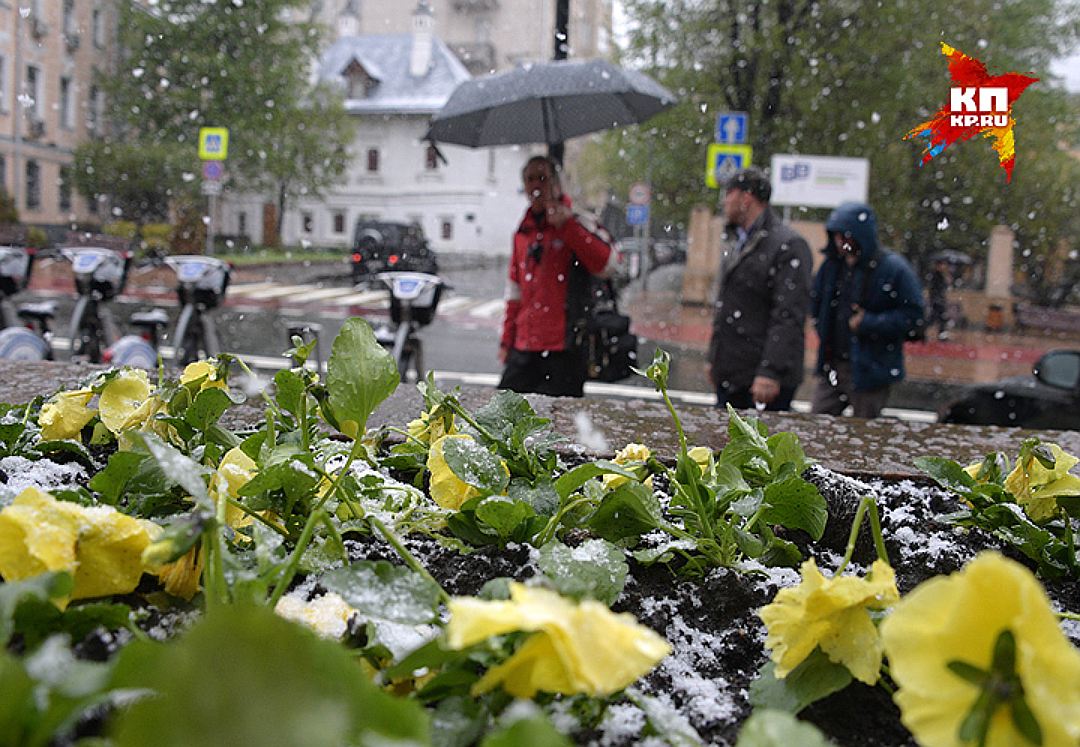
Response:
column 758, row 328
column 883, row 284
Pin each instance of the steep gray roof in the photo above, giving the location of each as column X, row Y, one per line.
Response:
column 386, row 58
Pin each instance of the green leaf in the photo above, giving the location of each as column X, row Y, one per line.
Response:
column 596, row 569
column 630, row 511
column 535, row 731
column 745, row 441
column 946, row 473
column 42, row 588
column 508, row 410
column 815, row 678
column 110, row 482
column 177, row 467
column 209, row 405
column 49, row 448
column 474, row 465
column 381, row 591
column 243, row 673
column 785, row 449
column 503, row 514
column 543, row 497
column 17, row 703
column 663, row 552
column 770, row 728
column 781, row 553
column 37, row 619
column 289, row 390
column 570, row 481
column 360, row 374
column 1024, row 720
column 968, row 672
column 458, row 722
column 796, row 504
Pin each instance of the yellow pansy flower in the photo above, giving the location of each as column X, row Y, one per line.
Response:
column 701, row 455
column 101, row 547
column 631, row 454
column 66, row 414
column 327, row 615
column 122, row 397
column 234, row 472
column 959, row 618
column 428, row 430
column 181, row 577
column 200, row 369
column 446, row 488
column 577, row 648
column 832, row 613
column 1035, row 487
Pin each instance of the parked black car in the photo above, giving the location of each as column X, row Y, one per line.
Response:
column 383, row 246
column 1049, row 398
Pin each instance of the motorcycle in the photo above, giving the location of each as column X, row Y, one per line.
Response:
column 414, row 297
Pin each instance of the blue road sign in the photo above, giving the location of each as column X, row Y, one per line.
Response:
column 637, row 215
column 723, row 161
column 731, row 127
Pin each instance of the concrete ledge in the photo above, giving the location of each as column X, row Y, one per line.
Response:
column 883, row 448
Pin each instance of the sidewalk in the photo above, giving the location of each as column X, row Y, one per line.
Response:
column 968, row 356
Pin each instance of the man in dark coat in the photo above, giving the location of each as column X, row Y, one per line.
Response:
column 866, row 299
column 756, row 351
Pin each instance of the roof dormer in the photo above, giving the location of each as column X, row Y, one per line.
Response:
column 359, row 78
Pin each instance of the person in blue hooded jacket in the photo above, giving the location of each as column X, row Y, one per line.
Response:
column 865, row 301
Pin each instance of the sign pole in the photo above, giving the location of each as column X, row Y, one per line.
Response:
column 212, row 204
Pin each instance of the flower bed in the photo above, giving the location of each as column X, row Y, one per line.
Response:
column 463, row 580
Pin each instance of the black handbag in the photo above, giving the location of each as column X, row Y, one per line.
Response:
column 611, row 347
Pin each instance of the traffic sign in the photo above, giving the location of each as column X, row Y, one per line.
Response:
column 637, row 215
column 212, row 170
column 723, row 161
column 640, row 193
column 213, row 143
column 211, row 188
column 732, row 128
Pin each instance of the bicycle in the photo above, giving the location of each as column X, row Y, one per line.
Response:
column 27, row 332
column 414, row 297
column 100, row 276
column 201, row 283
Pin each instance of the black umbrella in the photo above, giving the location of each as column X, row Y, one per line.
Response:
column 951, row 256
column 547, row 103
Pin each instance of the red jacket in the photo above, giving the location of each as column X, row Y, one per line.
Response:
column 548, row 285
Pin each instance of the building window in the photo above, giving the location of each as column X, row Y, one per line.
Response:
column 339, row 222
column 241, row 224
column 446, row 229
column 93, row 113
column 373, row 160
column 3, row 174
column 431, row 158
column 33, row 185
column 69, row 17
column 96, row 29
column 31, row 90
column 307, row 222
column 65, row 103
column 64, row 187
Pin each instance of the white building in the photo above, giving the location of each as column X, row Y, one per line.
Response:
column 393, row 84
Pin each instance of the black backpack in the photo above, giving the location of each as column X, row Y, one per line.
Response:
column 611, row 347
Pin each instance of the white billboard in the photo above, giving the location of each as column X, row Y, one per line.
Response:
column 818, row 181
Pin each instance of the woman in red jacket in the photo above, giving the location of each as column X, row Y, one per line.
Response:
column 549, row 290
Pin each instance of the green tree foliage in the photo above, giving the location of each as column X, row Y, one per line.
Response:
column 139, row 178
column 8, row 212
column 848, row 79
column 188, row 64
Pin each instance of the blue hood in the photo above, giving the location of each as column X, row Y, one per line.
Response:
column 859, row 220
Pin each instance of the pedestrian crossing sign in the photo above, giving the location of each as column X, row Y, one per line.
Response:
column 723, row 161
column 213, row 143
